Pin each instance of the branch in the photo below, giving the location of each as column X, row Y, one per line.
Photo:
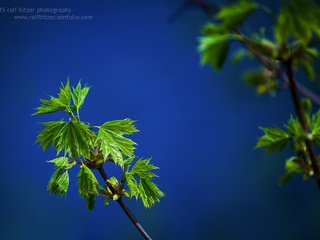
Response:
column 301, row 88
column 123, row 206
column 302, row 120
column 294, row 89
column 188, row 4
column 210, row 10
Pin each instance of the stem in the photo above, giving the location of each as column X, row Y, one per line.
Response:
column 69, row 111
column 124, row 207
column 302, row 120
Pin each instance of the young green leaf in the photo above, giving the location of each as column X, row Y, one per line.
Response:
column 146, row 189
column 149, row 192
column 143, row 168
column 56, row 104
column 87, row 185
column 292, row 167
column 62, row 162
column 274, row 139
column 133, row 185
column 75, row 138
column 214, row 50
column 59, row 182
column 214, row 29
column 298, row 19
column 235, row 14
column 65, row 94
column 48, row 135
column 315, row 128
column 79, row 94
column 113, row 142
column 87, row 182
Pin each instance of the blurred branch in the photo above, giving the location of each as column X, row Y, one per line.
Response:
column 190, row 4
column 211, row 10
column 302, row 120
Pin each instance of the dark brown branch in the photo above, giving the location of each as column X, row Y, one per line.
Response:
column 303, row 122
column 123, row 206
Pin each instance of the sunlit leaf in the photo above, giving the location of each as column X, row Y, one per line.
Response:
column 79, row 94
column 54, row 104
column 62, row 162
column 113, row 142
column 145, row 189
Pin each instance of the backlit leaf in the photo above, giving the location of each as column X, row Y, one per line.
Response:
column 113, row 142
column 59, row 182
column 79, row 94
column 274, row 139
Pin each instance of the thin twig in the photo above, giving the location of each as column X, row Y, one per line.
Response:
column 302, row 120
column 123, row 206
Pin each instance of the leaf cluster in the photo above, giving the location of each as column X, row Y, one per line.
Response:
column 144, row 187
column 91, row 147
column 63, row 101
column 215, row 42
column 295, row 31
column 276, row 139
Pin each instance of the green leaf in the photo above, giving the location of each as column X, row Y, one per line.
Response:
column 214, row 50
column 292, row 167
column 235, row 14
column 146, row 189
column 65, row 94
column 213, row 29
column 143, row 169
column 315, row 128
column 87, row 182
column 298, row 19
column 59, row 182
column 125, row 126
column 308, row 68
column 88, row 186
column 113, row 142
column 49, row 134
column 79, row 94
column 56, row 104
column 129, row 160
column 149, row 192
column 90, row 201
column 274, row 139
column 74, row 137
column 62, row 162
column 133, row 185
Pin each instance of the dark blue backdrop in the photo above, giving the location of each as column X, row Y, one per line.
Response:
column 200, row 127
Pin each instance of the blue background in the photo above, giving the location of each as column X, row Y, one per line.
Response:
column 199, row 126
